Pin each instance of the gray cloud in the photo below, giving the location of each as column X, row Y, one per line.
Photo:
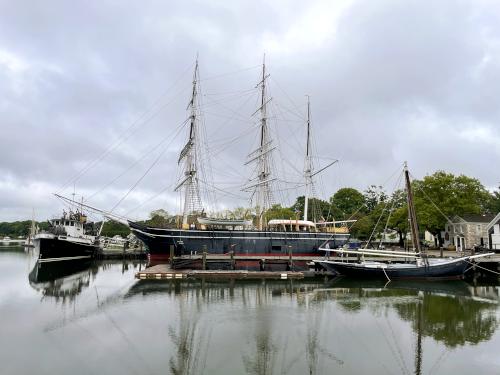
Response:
column 389, row 81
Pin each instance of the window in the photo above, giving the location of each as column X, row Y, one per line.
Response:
column 72, row 223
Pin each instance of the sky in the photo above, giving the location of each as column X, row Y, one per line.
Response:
column 93, row 96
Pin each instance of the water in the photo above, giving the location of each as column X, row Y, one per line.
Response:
column 95, row 318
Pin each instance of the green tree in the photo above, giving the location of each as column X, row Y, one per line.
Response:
column 444, row 195
column 346, row 202
column 279, row 212
column 494, row 206
column 318, row 209
column 374, row 195
column 113, row 228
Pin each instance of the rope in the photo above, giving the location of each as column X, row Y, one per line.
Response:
column 434, row 204
column 483, row 268
column 385, row 273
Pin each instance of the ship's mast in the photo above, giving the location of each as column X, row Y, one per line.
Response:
column 411, row 212
column 262, row 155
column 263, row 189
column 308, row 162
column 192, row 200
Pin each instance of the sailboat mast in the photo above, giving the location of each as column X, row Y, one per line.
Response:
column 411, row 212
column 192, row 200
column 308, row 164
column 263, row 188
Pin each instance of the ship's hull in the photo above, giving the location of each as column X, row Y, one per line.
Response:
column 56, row 249
column 446, row 269
column 158, row 241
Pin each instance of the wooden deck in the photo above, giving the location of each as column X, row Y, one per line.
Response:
column 163, row 271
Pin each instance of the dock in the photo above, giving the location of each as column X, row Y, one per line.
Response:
column 242, row 266
column 164, row 271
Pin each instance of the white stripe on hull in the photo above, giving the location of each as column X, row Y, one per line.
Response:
column 326, row 237
column 42, row 260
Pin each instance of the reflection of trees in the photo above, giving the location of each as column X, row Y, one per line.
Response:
column 450, row 314
column 450, row 319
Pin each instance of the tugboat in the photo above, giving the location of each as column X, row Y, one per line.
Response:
column 69, row 237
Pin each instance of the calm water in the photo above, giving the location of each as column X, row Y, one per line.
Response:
column 96, row 319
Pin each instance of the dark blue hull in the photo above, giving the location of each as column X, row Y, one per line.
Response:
column 54, row 249
column 447, row 270
column 250, row 242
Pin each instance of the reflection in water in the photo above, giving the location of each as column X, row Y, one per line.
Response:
column 65, row 280
column 453, row 313
column 450, row 312
column 241, row 326
column 62, row 281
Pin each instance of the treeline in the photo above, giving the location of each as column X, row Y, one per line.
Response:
column 437, row 197
column 19, row 228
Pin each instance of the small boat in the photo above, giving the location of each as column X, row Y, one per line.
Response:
column 420, row 266
column 437, row 268
column 69, row 237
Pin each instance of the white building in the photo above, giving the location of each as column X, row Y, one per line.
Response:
column 493, row 229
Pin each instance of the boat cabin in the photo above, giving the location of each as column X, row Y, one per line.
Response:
column 283, row 225
column 71, row 224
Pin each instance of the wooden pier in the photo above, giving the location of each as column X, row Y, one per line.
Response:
column 230, row 266
column 164, row 271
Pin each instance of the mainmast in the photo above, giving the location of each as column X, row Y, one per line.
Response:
column 308, row 162
column 411, row 212
column 262, row 155
column 192, row 200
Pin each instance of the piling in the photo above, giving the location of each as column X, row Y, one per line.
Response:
column 171, row 254
column 233, row 263
column 204, row 258
column 290, row 258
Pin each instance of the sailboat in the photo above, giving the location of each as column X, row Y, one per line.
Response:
column 214, row 235
column 420, row 266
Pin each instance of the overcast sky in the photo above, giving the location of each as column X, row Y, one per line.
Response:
column 107, row 83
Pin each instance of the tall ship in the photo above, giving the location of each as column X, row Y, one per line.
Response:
column 256, row 236
column 69, row 237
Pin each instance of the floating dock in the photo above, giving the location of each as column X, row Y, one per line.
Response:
column 230, row 266
column 164, row 271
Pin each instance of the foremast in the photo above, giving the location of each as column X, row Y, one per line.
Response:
column 189, row 184
column 262, row 156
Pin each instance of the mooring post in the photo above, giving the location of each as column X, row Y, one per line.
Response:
column 171, row 254
column 125, row 245
column 233, row 265
column 262, row 264
column 204, row 257
column 290, row 257
column 440, row 251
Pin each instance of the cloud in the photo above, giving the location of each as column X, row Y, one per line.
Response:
column 389, row 81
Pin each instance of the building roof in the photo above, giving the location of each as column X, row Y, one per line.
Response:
column 478, row 218
column 494, row 221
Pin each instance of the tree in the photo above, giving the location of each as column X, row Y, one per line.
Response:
column 160, row 219
column 279, row 212
column 318, row 209
column 374, row 195
column 346, row 202
column 443, row 195
column 398, row 220
column 113, row 228
column 494, row 206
